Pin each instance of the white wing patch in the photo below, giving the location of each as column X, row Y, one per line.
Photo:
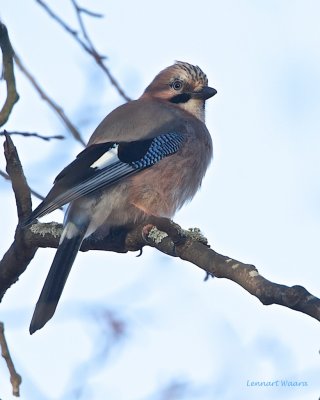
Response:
column 108, row 158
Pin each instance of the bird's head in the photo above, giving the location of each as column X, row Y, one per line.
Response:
column 184, row 85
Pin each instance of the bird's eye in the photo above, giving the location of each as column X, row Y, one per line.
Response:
column 176, row 85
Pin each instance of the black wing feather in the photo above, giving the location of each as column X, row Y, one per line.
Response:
column 81, row 165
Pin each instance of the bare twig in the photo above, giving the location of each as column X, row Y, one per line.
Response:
column 15, row 378
column 59, row 20
column 8, row 75
column 74, row 131
column 90, row 13
column 79, row 11
column 37, row 135
column 85, row 44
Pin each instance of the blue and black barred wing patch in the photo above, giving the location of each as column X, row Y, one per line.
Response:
column 145, row 153
column 103, row 164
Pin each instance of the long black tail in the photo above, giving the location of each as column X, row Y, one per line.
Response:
column 56, row 279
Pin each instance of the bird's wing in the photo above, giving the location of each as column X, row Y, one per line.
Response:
column 103, row 164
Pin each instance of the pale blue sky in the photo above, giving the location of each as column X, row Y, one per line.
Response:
column 259, row 202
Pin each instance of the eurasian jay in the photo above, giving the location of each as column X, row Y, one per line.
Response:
column 146, row 158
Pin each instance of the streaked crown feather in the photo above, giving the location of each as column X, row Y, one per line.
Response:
column 180, row 70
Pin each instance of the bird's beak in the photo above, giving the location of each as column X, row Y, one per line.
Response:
column 204, row 94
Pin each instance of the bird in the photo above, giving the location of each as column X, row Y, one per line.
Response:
column 146, row 158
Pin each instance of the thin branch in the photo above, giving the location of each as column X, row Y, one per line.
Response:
column 37, row 135
column 85, row 34
column 90, row 13
column 88, row 47
column 8, row 75
column 74, row 131
column 15, row 378
column 59, row 20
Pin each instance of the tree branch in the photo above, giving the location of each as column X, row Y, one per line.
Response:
column 8, row 74
column 15, row 378
column 167, row 237
column 19, row 255
column 192, row 248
